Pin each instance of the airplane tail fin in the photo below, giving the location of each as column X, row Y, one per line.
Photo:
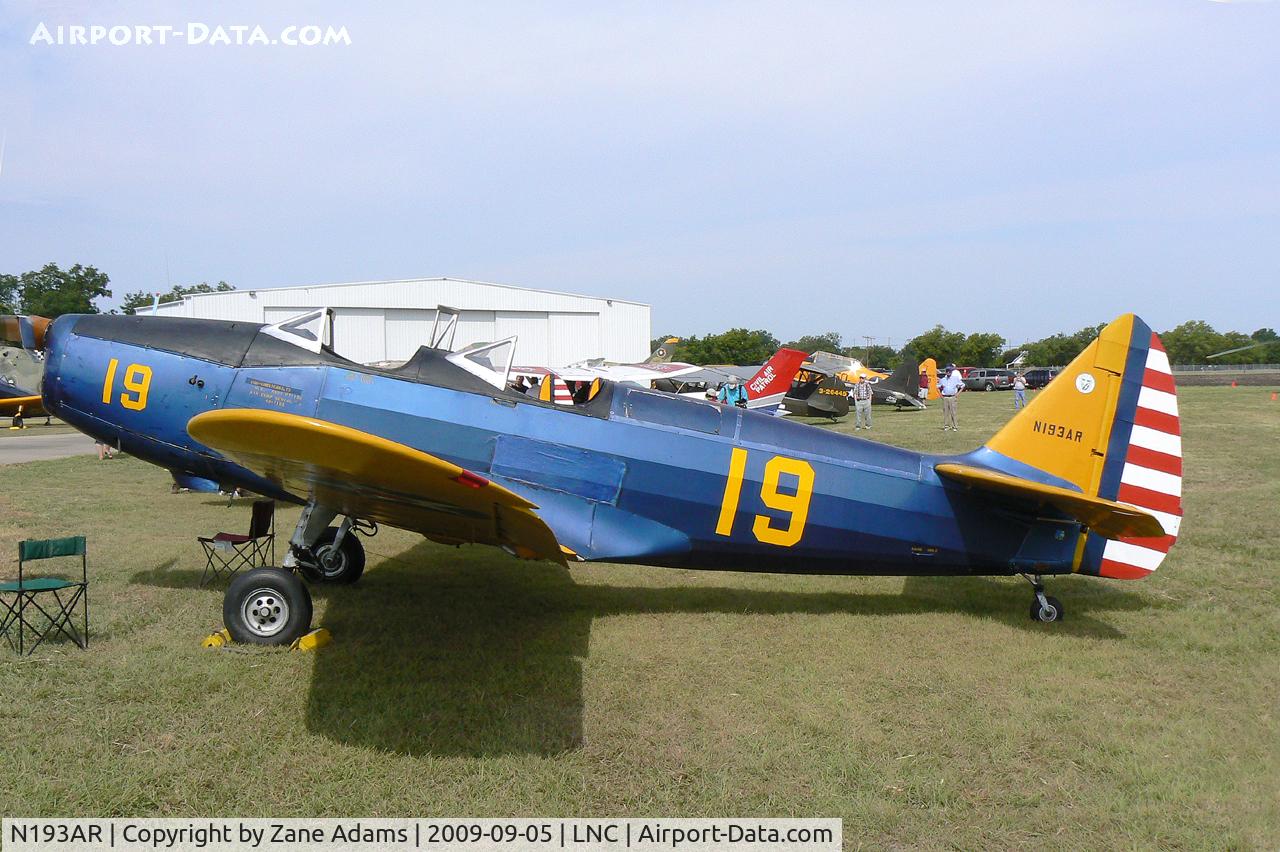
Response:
column 1108, row 425
column 771, row 382
column 662, row 354
column 900, row 388
column 930, row 369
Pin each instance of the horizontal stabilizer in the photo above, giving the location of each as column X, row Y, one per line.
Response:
column 1105, row 517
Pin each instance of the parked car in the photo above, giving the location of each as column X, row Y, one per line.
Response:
column 988, row 379
column 1039, row 377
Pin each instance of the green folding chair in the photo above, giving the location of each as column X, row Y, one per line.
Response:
column 44, row 606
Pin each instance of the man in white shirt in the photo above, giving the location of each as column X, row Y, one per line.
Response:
column 950, row 387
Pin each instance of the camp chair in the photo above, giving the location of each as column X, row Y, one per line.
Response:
column 226, row 553
column 21, row 607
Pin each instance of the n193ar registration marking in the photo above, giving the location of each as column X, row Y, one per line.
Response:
column 795, row 505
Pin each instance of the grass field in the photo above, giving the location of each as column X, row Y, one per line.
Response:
column 35, row 426
column 925, row 712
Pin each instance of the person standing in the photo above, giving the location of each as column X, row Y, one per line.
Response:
column 923, row 392
column 861, row 393
column 950, row 387
column 1019, row 391
column 733, row 393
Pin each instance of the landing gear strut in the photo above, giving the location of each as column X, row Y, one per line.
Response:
column 339, row 556
column 327, row 554
column 1044, row 607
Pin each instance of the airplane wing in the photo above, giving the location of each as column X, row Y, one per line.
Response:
column 1105, row 517
column 709, row 375
column 568, row 374
column 32, row 406
column 831, row 364
column 366, row 476
column 645, row 373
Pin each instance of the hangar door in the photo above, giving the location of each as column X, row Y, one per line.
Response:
column 572, row 338
column 360, row 334
column 531, row 329
column 407, row 329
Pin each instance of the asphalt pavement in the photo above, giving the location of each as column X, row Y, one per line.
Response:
column 35, row 447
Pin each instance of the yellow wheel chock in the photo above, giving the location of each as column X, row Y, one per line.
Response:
column 317, row 638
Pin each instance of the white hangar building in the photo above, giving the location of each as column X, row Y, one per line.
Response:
column 389, row 320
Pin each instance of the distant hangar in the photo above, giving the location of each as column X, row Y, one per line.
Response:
column 389, row 320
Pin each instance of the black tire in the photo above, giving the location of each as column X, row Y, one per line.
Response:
column 1052, row 614
column 266, row 606
column 988, row 387
column 342, row 567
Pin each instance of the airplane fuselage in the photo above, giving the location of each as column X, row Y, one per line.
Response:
column 632, row 476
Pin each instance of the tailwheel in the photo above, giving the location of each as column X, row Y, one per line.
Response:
column 266, row 606
column 336, row 557
column 1046, row 608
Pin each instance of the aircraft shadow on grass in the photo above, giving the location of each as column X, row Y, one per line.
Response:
column 458, row 653
column 451, row 653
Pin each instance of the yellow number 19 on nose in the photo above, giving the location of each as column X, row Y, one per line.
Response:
column 137, row 383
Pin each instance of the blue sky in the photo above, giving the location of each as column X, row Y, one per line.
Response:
column 872, row 168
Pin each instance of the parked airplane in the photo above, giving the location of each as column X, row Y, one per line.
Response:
column 654, row 368
column 766, row 385
column 1086, row 479
column 21, row 365
column 818, row 389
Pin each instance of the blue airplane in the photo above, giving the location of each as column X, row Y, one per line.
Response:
column 1086, row 479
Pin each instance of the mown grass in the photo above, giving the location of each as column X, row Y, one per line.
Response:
column 926, row 713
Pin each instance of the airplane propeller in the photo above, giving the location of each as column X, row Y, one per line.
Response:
column 27, row 332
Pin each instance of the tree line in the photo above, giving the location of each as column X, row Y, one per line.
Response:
column 742, row 346
column 52, row 291
column 1189, row 343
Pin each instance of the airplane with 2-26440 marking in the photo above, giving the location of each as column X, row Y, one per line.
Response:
column 1086, row 479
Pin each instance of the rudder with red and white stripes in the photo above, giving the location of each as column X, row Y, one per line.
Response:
column 1150, row 474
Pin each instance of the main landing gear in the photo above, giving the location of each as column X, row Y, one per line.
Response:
column 272, row 606
column 1044, row 607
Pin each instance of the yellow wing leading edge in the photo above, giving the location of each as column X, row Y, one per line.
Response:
column 366, row 476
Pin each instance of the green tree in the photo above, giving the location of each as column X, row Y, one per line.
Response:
column 937, row 343
column 826, row 342
column 8, row 294
column 981, row 349
column 735, row 346
column 52, row 291
column 878, row 355
column 1264, row 335
column 1058, row 350
column 133, row 301
column 1192, row 343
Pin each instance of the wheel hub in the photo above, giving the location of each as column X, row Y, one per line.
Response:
column 331, row 559
column 265, row 612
